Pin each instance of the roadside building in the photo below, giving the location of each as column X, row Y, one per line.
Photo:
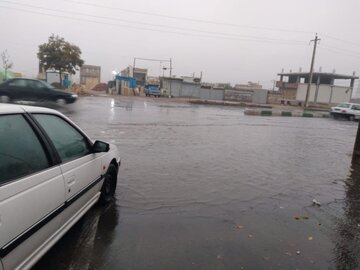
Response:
column 189, row 89
column 9, row 75
column 191, row 79
column 153, row 80
column 248, row 86
column 323, row 89
column 90, row 75
column 140, row 74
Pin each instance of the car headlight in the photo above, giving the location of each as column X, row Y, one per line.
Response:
column 74, row 96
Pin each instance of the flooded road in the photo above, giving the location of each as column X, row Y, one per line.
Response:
column 210, row 188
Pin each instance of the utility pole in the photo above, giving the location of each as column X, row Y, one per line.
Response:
column 311, row 70
column 170, row 76
column 133, row 69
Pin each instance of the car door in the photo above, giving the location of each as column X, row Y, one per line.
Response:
column 18, row 89
column 37, row 91
column 81, row 168
column 32, row 192
column 355, row 109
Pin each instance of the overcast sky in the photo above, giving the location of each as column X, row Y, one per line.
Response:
column 229, row 40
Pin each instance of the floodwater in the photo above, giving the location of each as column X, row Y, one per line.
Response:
column 206, row 187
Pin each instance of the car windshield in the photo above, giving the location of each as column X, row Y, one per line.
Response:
column 343, row 105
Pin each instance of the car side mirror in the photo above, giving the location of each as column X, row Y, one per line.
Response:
column 100, row 147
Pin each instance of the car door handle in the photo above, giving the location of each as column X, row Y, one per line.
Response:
column 71, row 180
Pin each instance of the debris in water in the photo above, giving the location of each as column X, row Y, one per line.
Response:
column 310, row 238
column 315, row 202
column 298, row 252
column 296, row 217
column 238, row 226
column 305, row 217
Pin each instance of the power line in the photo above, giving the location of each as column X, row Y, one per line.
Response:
column 149, row 24
column 339, row 52
column 340, row 49
column 187, row 19
column 264, row 40
column 342, row 40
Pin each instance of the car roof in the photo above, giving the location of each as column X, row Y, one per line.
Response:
column 20, row 78
column 14, row 108
column 348, row 103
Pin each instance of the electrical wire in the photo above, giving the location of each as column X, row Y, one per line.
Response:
column 340, row 52
column 264, row 40
column 345, row 50
column 155, row 25
column 187, row 19
column 342, row 40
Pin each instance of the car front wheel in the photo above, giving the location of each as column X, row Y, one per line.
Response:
column 109, row 185
column 60, row 101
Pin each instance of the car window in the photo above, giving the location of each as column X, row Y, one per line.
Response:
column 46, row 85
column 18, row 83
column 68, row 141
column 35, row 85
column 355, row 107
column 21, row 153
column 343, row 105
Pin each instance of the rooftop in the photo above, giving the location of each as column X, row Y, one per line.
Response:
column 322, row 74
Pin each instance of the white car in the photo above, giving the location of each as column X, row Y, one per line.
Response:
column 346, row 110
column 51, row 174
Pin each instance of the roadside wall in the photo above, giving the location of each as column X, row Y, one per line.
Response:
column 325, row 94
column 258, row 96
column 190, row 90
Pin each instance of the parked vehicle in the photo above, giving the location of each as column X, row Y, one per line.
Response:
column 33, row 90
column 51, row 174
column 350, row 111
column 152, row 90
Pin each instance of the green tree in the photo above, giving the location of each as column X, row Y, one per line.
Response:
column 60, row 55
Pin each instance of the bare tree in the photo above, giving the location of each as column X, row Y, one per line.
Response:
column 7, row 64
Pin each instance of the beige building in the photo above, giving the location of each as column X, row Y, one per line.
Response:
column 90, row 75
column 140, row 74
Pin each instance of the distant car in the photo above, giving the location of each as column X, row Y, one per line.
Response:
column 152, row 90
column 350, row 111
column 21, row 89
column 51, row 174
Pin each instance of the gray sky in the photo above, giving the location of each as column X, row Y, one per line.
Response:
column 240, row 45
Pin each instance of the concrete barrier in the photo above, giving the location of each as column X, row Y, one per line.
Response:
column 260, row 112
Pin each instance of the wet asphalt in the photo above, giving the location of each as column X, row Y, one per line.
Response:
column 206, row 187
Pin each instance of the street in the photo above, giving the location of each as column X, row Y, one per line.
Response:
column 207, row 187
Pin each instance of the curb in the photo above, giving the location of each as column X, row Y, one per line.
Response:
column 286, row 113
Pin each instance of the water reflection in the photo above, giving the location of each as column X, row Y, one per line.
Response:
column 87, row 244
column 347, row 248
